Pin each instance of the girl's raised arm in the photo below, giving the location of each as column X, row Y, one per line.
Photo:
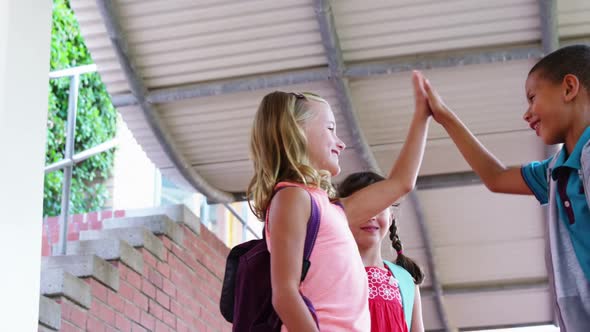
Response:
column 373, row 199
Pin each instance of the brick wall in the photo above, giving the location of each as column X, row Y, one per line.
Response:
column 177, row 293
column 76, row 224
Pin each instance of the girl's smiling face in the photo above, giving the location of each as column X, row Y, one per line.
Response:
column 323, row 145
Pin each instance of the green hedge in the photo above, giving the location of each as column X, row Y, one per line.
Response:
column 95, row 121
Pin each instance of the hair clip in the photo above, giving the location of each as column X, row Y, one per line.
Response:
column 298, row 95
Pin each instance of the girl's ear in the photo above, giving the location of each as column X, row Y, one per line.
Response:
column 571, row 87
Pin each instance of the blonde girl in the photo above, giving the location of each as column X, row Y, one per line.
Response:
column 295, row 148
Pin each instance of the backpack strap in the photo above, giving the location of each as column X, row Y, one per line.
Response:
column 406, row 288
column 313, row 227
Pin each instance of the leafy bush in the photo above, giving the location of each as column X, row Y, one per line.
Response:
column 95, row 120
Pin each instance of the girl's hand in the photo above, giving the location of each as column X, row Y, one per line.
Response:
column 420, row 100
column 440, row 111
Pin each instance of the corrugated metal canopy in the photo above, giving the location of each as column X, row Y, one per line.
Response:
column 187, row 77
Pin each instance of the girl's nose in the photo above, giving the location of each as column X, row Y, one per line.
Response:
column 341, row 145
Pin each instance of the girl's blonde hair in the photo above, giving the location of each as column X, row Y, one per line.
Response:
column 279, row 148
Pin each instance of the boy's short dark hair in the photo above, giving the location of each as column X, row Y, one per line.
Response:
column 574, row 59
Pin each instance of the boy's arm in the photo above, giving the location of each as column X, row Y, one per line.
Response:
column 496, row 176
column 371, row 200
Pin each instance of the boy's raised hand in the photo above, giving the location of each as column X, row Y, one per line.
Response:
column 440, row 111
column 420, row 99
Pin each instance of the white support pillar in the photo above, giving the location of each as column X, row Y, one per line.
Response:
column 25, row 31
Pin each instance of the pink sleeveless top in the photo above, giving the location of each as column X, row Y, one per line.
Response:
column 336, row 282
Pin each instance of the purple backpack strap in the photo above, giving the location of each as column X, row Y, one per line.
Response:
column 313, row 227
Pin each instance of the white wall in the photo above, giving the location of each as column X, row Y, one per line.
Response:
column 25, row 30
column 135, row 185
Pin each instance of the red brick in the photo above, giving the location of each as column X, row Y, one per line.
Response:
column 177, row 310
column 195, row 309
column 156, row 310
column 133, row 278
column 67, row 327
column 78, row 316
column 178, row 266
column 119, row 213
column 116, row 302
column 73, row 236
column 155, row 278
column 99, row 291
column 66, row 307
column 122, row 269
column 188, row 312
column 209, row 305
column 45, row 246
column 169, row 319
column 53, row 229
column 201, row 274
column 163, row 299
column 199, row 325
column 207, row 317
column 148, row 289
column 78, row 218
column 96, row 225
column 52, row 221
column 92, row 217
column 141, row 301
column 110, row 329
column 84, row 226
column 177, row 280
column 167, row 243
column 106, row 215
column 169, row 288
column 177, row 251
column 184, row 300
column 94, row 325
column 135, row 327
column 184, row 257
column 148, row 321
column 107, row 314
column 132, row 312
column 200, row 297
column 161, row 327
column 149, row 258
column 95, row 307
column 164, row 269
column 181, row 326
column 126, row 291
column 122, row 323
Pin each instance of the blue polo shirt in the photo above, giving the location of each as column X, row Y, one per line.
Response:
column 571, row 201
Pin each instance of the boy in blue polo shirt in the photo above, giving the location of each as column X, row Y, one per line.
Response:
column 558, row 94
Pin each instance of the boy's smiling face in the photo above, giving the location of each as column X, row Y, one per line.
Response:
column 547, row 111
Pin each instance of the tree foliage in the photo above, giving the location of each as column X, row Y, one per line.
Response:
column 95, row 120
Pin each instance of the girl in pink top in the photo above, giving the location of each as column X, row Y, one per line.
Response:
column 294, row 144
